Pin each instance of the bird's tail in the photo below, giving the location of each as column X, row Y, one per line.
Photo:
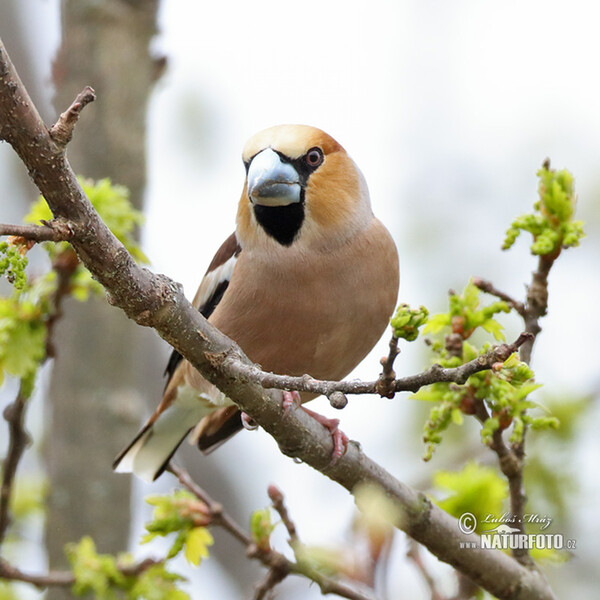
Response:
column 148, row 455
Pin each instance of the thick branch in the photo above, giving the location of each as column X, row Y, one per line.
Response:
column 156, row 301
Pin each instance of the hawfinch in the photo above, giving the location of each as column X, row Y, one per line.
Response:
column 306, row 284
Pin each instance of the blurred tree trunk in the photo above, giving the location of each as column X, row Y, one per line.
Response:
column 105, row 364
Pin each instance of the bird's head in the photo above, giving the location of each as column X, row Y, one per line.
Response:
column 301, row 188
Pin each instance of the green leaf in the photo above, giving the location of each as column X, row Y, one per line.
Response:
column 112, row 203
column 551, row 224
column 476, row 489
column 196, row 545
column 8, row 591
column 406, row 321
column 261, row 527
column 157, row 583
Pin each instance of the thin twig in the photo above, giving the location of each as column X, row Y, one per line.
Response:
column 412, row 383
column 65, row 578
column 50, row 231
column 512, row 460
column 17, row 442
column 64, row 265
column 488, row 287
column 279, row 566
column 276, row 496
column 414, row 555
column 62, row 131
column 220, row 517
column 387, row 379
column 272, row 578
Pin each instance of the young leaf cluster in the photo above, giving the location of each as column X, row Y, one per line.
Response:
column 406, row 321
column 551, row 224
column 181, row 513
column 13, row 261
column 102, row 575
column 25, row 313
column 261, row 528
column 499, row 398
column 111, row 201
column 22, row 335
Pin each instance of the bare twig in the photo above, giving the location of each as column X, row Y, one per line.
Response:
column 156, row 301
column 272, row 578
column 220, row 517
column 276, row 496
column 64, row 265
column 65, row 578
column 53, row 579
column 414, row 555
column 412, row 383
column 279, row 566
column 387, row 379
column 17, row 442
column 62, row 131
column 511, row 460
column 488, row 287
column 50, row 231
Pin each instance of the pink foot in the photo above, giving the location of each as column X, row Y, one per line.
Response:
column 248, row 422
column 340, row 439
column 291, row 400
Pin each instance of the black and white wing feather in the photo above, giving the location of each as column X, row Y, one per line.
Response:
column 212, row 288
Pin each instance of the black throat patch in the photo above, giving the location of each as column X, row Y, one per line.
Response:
column 282, row 223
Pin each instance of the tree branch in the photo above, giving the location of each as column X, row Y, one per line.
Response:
column 62, row 131
column 279, row 567
column 64, row 578
column 488, row 287
column 511, row 460
column 156, row 301
column 18, row 439
column 50, row 231
column 412, row 383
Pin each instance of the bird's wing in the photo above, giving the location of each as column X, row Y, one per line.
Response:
column 211, row 290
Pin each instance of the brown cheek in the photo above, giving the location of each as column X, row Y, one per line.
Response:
column 333, row 191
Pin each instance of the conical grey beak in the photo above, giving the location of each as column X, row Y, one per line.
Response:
column 272, row 182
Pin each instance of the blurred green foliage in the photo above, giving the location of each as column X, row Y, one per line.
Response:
column 475, row 489
column 181, row 513
column 111, row 201
column 103, row 577
column 261, row 528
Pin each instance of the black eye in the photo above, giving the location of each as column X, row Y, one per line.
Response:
column 314, row 157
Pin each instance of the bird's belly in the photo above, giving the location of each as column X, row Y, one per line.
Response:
column 291, row 328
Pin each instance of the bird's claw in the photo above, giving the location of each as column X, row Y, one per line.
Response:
column 339, row 438
column 248, row 422
column 290, row 400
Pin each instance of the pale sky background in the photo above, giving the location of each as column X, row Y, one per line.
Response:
column 449, row 109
